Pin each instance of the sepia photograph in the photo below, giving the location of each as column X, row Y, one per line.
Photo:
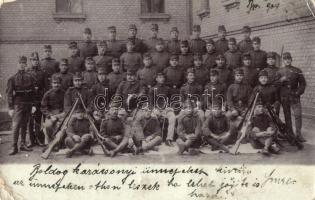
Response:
column 147, row 83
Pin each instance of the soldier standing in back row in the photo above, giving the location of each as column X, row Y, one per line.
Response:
column 160, row 56
column 64, row 75
column 259, row 57
column 151, row 42
column 196, row 44
column 210, row 56
column 103, row 59
column 221, row 44
column 41, row 85
column 246, row 44
column 115, row 47
column 233, row 55
column 173, row 45
column 185, row 59
column 76, row 63
column 140, row 47
column 20, row 91
column 48, row 64
column 88, row 48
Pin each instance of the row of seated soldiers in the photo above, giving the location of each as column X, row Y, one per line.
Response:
column 287, row 82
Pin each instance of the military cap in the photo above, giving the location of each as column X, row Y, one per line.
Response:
column 184, row 43
column 77, row 75
column 263, row 73
column 102, row 43
column 246, row 56
column 287, row 55
column 87, row 31
column 34, row 56
column 111, row 28
column 220, row 56
column 64, row 61
column 159, row 74
column 190, row 70
column 196, row 27
column 239, row 71
column 73, row 45
column 214, row 72
column 131, row 72
column 56, row 78
column 154, row 27
column 89, row 60
column 130, row 42
column 197, row 56
column 116, row 61
column 47, row 47
column 22, row 59
column 271, row 55
column 221, row 28
column 101, row 70
column 133, row 26
column 160, row 41
column 257, row 39
column 174, row 29
column 174, row 57
column 210, row 41
column 147, row 55
column 246, row 29
column 232, row 40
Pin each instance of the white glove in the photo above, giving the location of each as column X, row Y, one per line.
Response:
column 33, row 109
column 10, row 112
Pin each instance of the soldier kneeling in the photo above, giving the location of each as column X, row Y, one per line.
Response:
column 79, row 135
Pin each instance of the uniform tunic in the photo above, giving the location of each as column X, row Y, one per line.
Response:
column 238, row 95
column 41, row 83
column 104, row 62
column 216, row 125
column 114, row 80
column 66, row 80
column 130, row 60
column 79, row 127
column 115, row 48
column 52, row 102
column 209, row 59
column 160, row 60
column 225, row 75
column 89, row 78
column 245, row 46
column 88, row 49
column 173, row 46
column 221, row 45
column 186, row 61
column 259, row 59
column 112, row 127
column 193, row 89
column 174, row 76
column 49, row 66
column 159, row 90
column 151, row 43
column 197, row 46
column 201, row 75
column 76, row 64
column 233, row 59
column 147, row 75
column 72, row 94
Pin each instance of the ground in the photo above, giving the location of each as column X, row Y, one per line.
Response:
column 166, row 155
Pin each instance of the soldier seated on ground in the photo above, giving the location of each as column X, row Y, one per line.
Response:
column 113, row 129
column 146, row 131
column 262, row 131
column 217, row 131
column 79, row 135
column 189, row 130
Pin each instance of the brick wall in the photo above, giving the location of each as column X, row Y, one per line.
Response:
column 290, row 25
column 26, row 25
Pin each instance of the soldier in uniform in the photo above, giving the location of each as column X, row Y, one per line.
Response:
column 52, row 108
column 238, row 95
column 64, row 74
column 186, row 59
column 233, row 55
column 130, row 59
column 88, row 48
column 147, row 133
column 259, row 57
column 89, row 75
column 115, row 47
column 139, row 46
column 271, row 68
column 246, row 45
column 159, row 97
column 73, row 93
column 160, row 56
column 225, row 74
column 201, row 72
column 103, row 59
column 221, row 45
column 48, row 64
column 41, row 85
column 211, row 55
column 250, row 72
column 79, row 134
column 76, row 63
column 147, row 74
column 173, row 45
column 196, row 44
column 100, row 88
column 114, row 131
column 292, row 86
column 189, row 130
column 115, row 77
column 20, row 91
column 151, row 42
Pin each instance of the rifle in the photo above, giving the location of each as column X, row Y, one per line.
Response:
column 97, row 135
column 60, row 131
column 289, row 136
column 245, row 124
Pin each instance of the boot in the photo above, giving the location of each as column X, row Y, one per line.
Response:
column 23, row 147
column 300, row 138
column 13, row 151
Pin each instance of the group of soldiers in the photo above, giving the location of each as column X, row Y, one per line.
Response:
column 196, row 91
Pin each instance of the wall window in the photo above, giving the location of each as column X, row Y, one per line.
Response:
column 69, row 6
column 152, row 6
column 204, row 9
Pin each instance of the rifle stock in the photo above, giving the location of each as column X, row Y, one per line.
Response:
column 60, row 132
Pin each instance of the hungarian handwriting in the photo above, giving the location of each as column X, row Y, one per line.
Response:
column 268, row 5
column 223, row 182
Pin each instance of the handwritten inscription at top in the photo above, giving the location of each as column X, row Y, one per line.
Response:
column 254, row 5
